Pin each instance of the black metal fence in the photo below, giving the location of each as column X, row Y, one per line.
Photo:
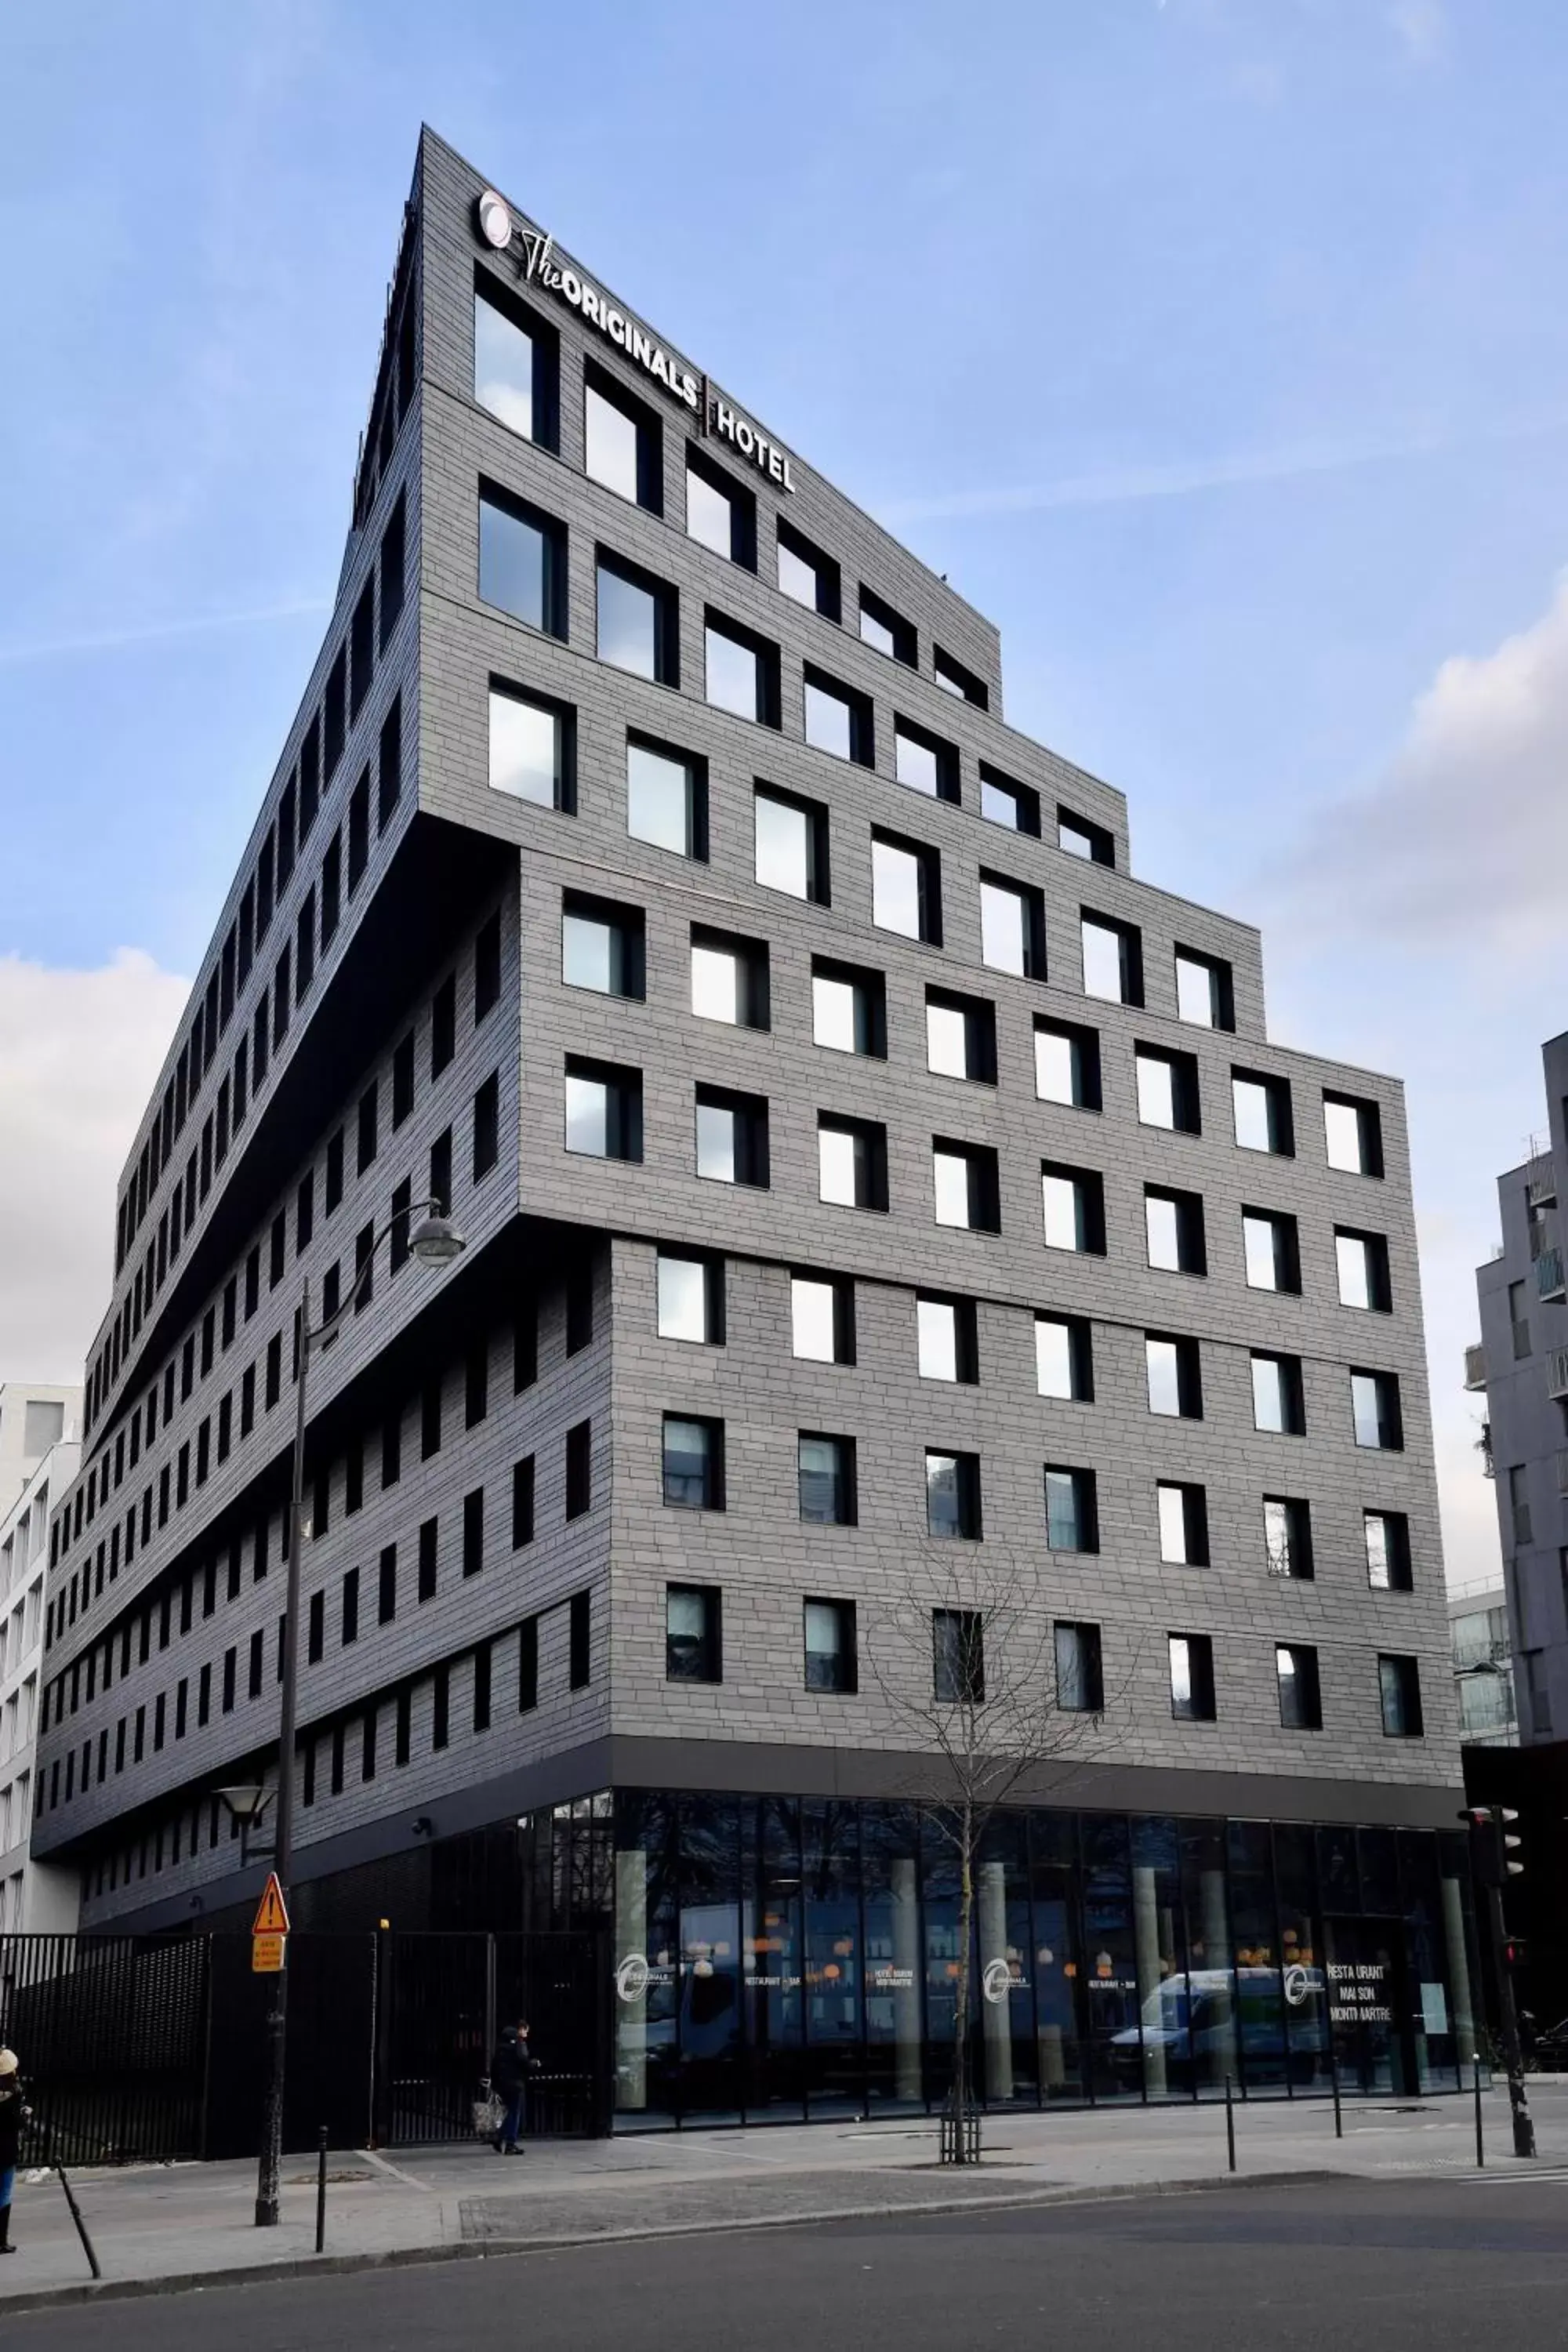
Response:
column 138, row 2049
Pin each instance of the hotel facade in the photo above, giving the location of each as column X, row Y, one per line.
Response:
column 877, row 1200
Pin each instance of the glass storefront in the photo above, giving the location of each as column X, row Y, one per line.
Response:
column 778, row 1958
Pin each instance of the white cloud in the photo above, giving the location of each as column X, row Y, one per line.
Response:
column 78, row 1054
column 1462, row 841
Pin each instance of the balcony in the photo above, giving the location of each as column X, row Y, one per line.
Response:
column 1557, row 1372
column 1475, row 1368
column 1540, row 1180
column 1549, row 1281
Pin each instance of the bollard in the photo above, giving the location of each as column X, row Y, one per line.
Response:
column 321, row 2194
column 1338, row 2115
column 1481, row 2128
column 1230, row 2125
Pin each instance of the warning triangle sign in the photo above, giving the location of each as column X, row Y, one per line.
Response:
column 271, row 1913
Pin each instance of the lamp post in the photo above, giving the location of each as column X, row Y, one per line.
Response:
column 435, row 1240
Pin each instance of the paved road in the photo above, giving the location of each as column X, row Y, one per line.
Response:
column 1432, row 2266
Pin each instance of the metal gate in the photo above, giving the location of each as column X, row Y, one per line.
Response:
column 330, row 2049
column 444, row 1999
column 111, row 2032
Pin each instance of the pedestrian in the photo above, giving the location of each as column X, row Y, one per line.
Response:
column 509, row 2075
column 13, row 2114
column 530, row 2065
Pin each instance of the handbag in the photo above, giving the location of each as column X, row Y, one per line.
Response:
column 489, row 2114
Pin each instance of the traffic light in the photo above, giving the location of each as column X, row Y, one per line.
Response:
column 1491, row 1844
column 1513, row 1952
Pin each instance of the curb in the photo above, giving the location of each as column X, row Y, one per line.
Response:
column 505, row 2249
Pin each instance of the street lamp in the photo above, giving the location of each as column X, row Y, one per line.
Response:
column 434, row 1241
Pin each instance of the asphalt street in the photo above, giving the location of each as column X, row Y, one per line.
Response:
column 1433, row 2263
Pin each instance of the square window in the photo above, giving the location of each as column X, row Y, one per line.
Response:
column 1012, row 927
column 958, row 1656
column 1064, row 1362
column 1261, row 1108
column 1362, row 1263
column 961, row 1036
column 1167, row 1090
column 1191, row 1677
column 792, row 847
column 838, row 719
column 530, row 749
column 1399, row 1688
column 953, row 1495
column 806, row 574
column 1080, row 1680
column 967, row 1189
column 831, row 1664
column 1183, row 1524
column 1353, row 1134
column 731, row 1136
column 1067, row 1065
column 948, row 1338
column 1277, row 1398
column 852, row 1162
column 1374, row 1409
column 1112, row 960
column 1175, row 1385
column 667, row 799
column 1204, row 991
column 953, row 679
column 1003, row 802
column 848, row 1008
column 741, row 672
column 1174, row 1223
column 719, row 514
column 906, row 888
column 602, row 946
column 621, row 443
column 692, row 1651
column 693, row 1463
column 1073, row 1202
column 925, row 763
column 690, row 1298
column 1288, row 1536
column 1081, row 838
column 1270, row 1250
column 1387, row 1535
column 887, row 630
column 604, row 1110
column 822, row 1318
column 1296, row 1672
column 523, row 562
column 825, row 1469
column 638, row 623
column 1072, row 1511
column 517, row 360
column 730, row 979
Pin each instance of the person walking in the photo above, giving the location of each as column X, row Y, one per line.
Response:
column 509, row 2075
column 13, row 2113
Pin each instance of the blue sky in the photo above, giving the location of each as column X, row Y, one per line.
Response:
column 1216, row 349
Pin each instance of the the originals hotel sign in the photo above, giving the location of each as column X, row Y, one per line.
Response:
column 536, row 255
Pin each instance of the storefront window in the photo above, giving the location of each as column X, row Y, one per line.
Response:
column 1110, row 1976
column 771, row 1957
column 1058, row 1961
column 1007, row 2059
column 1211, row 1979
column 710, row 1957
column 1164, row 1995
column 1259, row 1991
column 645, row 1958
column 831, row 1838
column 1303, row 1960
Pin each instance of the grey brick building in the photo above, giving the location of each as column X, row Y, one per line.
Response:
column 865, row 1180
column 1521, row 1366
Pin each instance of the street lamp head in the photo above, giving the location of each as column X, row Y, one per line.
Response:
column 436, row 1240
column 246, row 1804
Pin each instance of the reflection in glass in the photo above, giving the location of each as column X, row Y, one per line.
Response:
column 937, row 1322
column 813, row 1320
column 589, row 1117
column 503, row 367
column 783, row 845
column 610, row 444
column 525, row 751
column 837, row 1013
column 710, row 517
column 718, row 983
column 734, row 673
column 914, row 763
column 514, row 557
column 1156, row 1089
column 683, row 1298
column 659, row 799
column 1004, row 929
column 895, row 890
column 627, row 624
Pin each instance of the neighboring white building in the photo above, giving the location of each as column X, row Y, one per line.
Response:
column 33, row 1899
column 34, row 1415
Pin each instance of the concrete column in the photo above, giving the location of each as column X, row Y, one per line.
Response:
column 1459, row 1996
column 1146, row 1947
column 996, row 2021
column 631, row 2016
column 1222, row 2056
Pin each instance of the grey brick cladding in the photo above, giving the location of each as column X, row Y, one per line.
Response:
column 526, row 1219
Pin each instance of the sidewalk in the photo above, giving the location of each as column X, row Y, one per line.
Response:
column 164, row 2226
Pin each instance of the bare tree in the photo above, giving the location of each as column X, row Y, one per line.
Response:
column 967, row 1663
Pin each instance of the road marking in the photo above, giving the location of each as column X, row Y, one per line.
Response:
column 383, row 2164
